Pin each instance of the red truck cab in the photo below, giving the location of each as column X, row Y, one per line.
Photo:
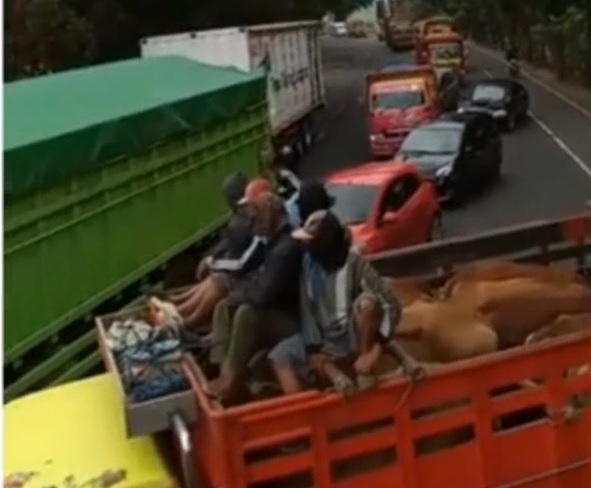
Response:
column 399, row 98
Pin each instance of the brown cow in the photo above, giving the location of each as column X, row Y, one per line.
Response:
column 409, row 290
column 518, row 307
column 506, row 270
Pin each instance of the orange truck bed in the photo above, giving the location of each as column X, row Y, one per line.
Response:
column 373, row 439
column 456, row 428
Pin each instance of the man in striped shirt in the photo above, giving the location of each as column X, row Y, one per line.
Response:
column 346, row 314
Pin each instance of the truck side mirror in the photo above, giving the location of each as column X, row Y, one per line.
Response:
column 386, row 218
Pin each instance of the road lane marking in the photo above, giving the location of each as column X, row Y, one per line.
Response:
column 557, row 140
column 561, row 144
column 586, row 113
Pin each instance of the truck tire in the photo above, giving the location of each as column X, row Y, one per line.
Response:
column 308, row 135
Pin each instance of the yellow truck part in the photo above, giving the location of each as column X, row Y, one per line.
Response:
column 76, row 432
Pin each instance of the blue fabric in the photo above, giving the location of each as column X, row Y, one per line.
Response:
column 158, row 357
column 315, row 280
column 293, row 211
column 315, row 275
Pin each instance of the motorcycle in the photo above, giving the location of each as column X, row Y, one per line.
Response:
column 513, row 68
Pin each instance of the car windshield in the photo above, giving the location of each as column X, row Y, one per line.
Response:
column 432, row 141
column 488, row 92
column 400, row 99
column 353, row 203
column 445, row 52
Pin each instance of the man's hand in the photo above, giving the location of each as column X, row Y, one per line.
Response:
column 203, row 268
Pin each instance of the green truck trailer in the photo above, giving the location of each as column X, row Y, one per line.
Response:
column 110, row 172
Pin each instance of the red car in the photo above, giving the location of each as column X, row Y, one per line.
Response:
column 385, row 205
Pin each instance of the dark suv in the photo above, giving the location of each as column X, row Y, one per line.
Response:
column 459, row 151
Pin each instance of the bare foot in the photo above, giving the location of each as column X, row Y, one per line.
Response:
column 365, row 363
column 182, row 296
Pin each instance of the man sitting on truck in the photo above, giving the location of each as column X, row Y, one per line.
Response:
column 265, row 311
column 346, row 314
column 310, row 197
column 237, row 254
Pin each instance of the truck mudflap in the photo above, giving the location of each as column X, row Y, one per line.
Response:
column 465, row 424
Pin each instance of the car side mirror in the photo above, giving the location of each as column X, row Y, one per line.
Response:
column 387, row 219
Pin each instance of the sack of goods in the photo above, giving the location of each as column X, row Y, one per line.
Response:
column 148, row 352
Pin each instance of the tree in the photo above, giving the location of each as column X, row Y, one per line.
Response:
column 548, row 32
column 51, row 35
column 47, row 36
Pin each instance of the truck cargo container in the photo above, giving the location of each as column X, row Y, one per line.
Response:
column 323, row 440
column 106, row 173
column 290, row 54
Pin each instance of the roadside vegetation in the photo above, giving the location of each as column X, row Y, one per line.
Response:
column 43, row 36
column 549, row 34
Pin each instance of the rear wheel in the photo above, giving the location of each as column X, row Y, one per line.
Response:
column 307, row 135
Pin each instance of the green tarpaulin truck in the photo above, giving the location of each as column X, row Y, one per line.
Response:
column 109, row 172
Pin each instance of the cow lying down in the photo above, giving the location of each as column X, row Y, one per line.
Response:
column 489, row 306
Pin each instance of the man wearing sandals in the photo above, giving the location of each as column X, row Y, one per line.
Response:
column 346, row 313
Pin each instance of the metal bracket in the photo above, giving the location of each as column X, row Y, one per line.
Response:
column 183, row 438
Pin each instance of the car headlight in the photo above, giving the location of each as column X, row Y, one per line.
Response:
column 443, row 171
column 499, row 114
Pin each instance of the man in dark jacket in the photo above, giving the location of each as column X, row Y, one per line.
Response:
column 259, row 315
column 237, row 254
column 310, row 197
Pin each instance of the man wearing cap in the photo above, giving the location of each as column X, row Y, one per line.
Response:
column 266, row 310
column 345, row 316
column 237, row 254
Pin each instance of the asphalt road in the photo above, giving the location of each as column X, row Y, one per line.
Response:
column 547, row 161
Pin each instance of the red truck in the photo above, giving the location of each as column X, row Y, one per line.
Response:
column 399, row 98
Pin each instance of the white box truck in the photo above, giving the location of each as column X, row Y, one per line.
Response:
column 290, row 52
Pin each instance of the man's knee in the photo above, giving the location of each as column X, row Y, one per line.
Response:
column 368, row 307
column 221, row 314
column 288, row 352
column 246, row 316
